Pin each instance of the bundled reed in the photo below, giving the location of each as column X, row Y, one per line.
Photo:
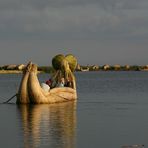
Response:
column 64, row 67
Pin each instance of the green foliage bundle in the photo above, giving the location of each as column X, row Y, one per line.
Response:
column 64, row 67
column 57, row 61
column 72, row 61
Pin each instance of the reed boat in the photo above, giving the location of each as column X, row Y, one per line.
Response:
column 31, row 92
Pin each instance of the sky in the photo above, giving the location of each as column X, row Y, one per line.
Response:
column 95, row 31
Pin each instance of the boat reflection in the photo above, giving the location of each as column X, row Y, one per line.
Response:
column 48, row 125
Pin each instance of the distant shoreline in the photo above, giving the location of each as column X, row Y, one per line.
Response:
column 20, row 72
column 10, row 69
column 14, row 72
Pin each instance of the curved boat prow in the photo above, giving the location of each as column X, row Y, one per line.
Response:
column 31, row 92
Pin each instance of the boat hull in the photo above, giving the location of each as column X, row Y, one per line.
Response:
column 30, row 91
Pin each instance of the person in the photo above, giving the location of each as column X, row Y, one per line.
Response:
column 68, row 83
column 49, row 82
column 45, row 87
column 61, row 83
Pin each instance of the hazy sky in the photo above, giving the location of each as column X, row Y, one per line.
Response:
column 95, row 31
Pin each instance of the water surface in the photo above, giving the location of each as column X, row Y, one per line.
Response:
column 111, row 111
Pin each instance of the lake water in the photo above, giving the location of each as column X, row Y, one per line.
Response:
column 111, row 111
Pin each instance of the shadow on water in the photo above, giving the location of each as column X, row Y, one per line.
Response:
column 48, row 125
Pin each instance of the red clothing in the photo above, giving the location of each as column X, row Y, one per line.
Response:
column 48, row 82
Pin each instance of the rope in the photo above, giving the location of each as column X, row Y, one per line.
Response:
column 10, row 99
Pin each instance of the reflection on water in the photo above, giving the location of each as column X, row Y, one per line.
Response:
column 111, row 111
column 48, row 125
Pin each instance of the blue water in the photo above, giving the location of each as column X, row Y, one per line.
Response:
column 111, row 111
